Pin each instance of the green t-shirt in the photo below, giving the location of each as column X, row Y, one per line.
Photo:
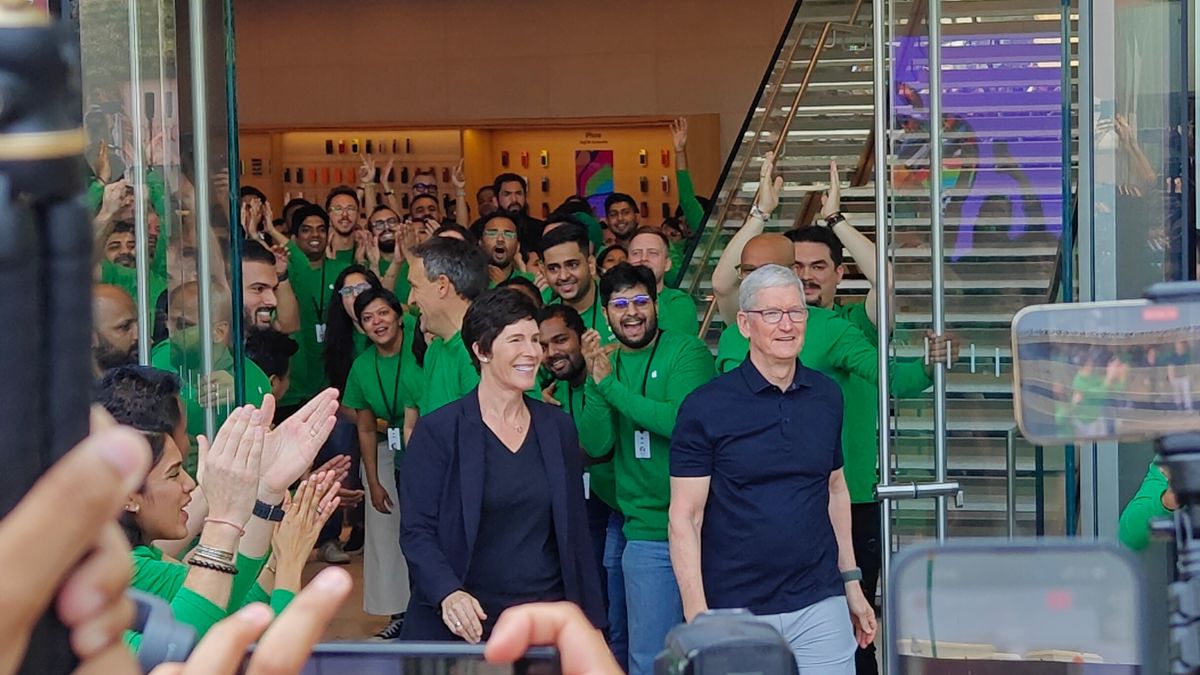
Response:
column 401, row 288
column 593, row 317
column 314, row 289
column 677, row 311
column 1146, row 505
column 1095, row 394
column 449, row 374
column 515, row 273
column 602, row 479
column 169, row 357
column 845, row 351
column 386, row 385
column 642, row 396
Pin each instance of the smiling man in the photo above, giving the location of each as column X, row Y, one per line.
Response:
column 633, row 397
column 312, row 275
column 445, row 275
column 650, row 247
column 760, row 513
column 622, row 216
column 569, row 267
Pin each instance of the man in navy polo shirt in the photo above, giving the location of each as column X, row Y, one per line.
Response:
column 760, row 511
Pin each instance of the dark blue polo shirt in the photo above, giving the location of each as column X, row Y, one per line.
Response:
column 767, row 543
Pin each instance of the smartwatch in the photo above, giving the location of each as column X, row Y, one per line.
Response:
column 852, row 575
column 274, row 513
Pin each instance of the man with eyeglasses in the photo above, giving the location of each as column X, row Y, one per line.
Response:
column 760, row 513
column 342, row 205
column 844, row 350
column 424, row 182
column 392, row 267
column 512, row 196
column 568, row 266
column 633, row 396
column 650, row 247
column 498, row 238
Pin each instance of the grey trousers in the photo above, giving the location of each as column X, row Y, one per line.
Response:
column 820, row 635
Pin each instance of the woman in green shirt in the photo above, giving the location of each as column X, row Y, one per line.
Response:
column 344, row 338
column 216, row 580
column 381, row 390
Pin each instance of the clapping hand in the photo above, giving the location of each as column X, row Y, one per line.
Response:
column 595, row 356
column 289, row 449
column 366, row 172
column 831, row 201
column 232, row 463
column 768, row 188
column 304, row 515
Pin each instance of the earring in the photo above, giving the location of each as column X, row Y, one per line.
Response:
column 484, row 359
column 132, row 508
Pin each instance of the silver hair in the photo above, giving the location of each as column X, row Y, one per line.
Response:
column 767, row 276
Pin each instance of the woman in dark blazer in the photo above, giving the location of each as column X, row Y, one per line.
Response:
column 491, row 491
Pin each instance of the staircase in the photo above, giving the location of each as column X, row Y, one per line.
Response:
column 1002, row 184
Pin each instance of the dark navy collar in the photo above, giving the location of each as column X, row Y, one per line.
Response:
column 759, row 384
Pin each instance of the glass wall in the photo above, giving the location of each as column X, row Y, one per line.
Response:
column 155, row 79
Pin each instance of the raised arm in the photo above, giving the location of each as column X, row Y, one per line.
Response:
column 692, row 211
column 725, row 276
column 861, row 248
column 462, row 212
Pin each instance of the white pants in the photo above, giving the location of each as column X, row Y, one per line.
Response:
column 385, row 574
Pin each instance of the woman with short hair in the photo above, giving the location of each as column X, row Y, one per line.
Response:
column 492, row 491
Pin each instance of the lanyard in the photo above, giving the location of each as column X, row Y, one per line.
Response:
column 595, row 307
column 571, row 399
column 390, row 407
column 649, row 364
column 321, row 294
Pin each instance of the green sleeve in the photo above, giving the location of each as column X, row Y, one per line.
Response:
column 158, row 577
column 190, row 608
column 690, row 370
column 280, row 599
column 692, row 211
column 850, row 351
column 596, row 432
column 909, row 378
column 248, row 570
column 354, row 397
column 95, row 196
column 1146, row 505
column 595, row 230
column 296, row 257
column 257, row 594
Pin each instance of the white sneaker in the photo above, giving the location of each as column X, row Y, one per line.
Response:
column 331, row 552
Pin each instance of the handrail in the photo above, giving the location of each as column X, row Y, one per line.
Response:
column 741, row 170
column 818, row 49
column 862, row 170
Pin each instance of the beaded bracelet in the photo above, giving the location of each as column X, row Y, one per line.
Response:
column 197, row 561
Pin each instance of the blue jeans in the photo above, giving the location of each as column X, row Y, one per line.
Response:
column 654, row 605
column 618, row 623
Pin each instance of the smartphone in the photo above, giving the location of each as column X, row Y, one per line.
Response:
column 382, row 658
column 988, row 606
column 1125, row 370
column 328, row 146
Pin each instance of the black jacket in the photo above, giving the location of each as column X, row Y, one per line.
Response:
column 441, row 495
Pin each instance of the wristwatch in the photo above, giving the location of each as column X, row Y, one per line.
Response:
column 281, row 277
column 759, row 213
column 835, row 218
column 852, row 575
column 268, row 512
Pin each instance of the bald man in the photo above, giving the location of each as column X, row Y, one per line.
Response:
column 181, row 354
column 114, row 328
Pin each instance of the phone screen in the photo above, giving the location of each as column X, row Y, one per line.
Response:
column 413, row 658
column 1094, row 371
column 1025, row 608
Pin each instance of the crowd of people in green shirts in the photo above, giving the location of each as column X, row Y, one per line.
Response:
column 372, row 301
